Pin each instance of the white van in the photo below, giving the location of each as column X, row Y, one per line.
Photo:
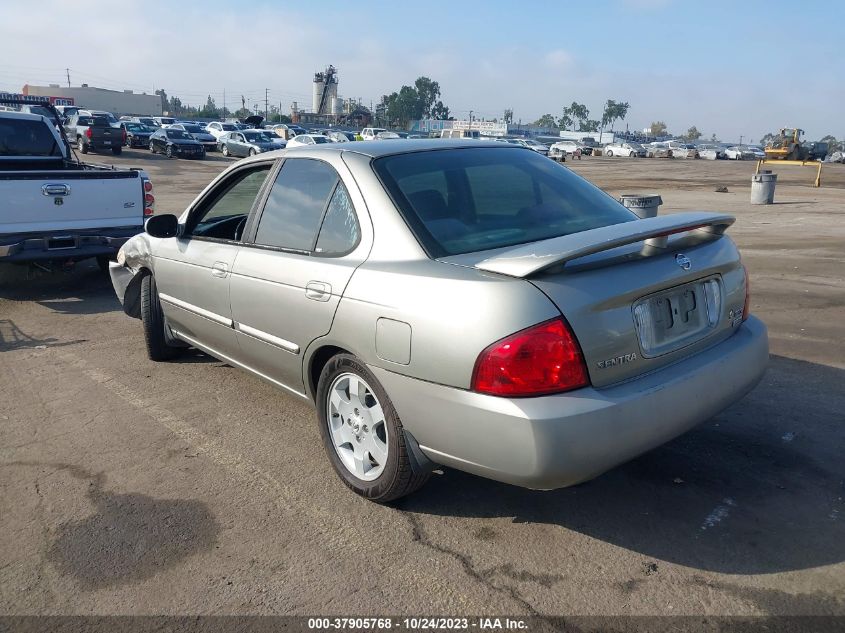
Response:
column 370, row 133
column 460, row 134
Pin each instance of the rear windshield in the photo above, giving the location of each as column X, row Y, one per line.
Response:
column 171, row 133
column 26, row 138
column 465, row 200
column 229, row 127
column 94, row 121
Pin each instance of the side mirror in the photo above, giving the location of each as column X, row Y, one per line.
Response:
column 165, row 225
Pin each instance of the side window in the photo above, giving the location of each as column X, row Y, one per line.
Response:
column 340, row 231
column 224, row 214
column 296, row 204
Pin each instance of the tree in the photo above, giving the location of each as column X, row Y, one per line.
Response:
column 692, row 134
column 508, row 118
column 161, row 93
column 209, row 110
column 590, row 125
column 565, row 121
column 440, row 111
column 768, row 138
column 613, row 111
column 546, row 121
column 832, row 143
column 578, row 112
column 658, row 128
column 428, row 92
column 713, row 138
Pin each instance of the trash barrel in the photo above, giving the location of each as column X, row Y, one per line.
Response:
column 763, row 187
column 644, row 205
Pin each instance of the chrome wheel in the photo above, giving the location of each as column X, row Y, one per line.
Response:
column 357, row 426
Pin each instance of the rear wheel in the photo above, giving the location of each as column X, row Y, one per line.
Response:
column 609, row 153
column 252, row 152
column 362, row 433
column 154, row 323
column 116, row 150
column 80, row 144
column 152, row 148
column 225, row 150
column 169, row 151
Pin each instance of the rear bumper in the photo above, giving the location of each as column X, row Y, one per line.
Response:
column 556, row 441
column 65, row 244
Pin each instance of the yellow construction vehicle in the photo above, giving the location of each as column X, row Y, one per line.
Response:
column 787, row 146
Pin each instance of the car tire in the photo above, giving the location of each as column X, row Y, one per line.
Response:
column 169, row 151
column 609, row 153
column 152, row 148
column 252, row 152
column 631, row 155
column 400, row 472
column 225, row 151
column 154, row 323
column 116, row 150
column 81, row 146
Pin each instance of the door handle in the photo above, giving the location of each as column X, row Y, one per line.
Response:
column 219, row 269
column 55, row 189
column 318, row 291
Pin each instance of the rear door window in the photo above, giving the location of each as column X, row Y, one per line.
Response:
column 296, row 205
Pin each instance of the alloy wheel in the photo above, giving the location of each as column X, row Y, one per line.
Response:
column 357, row 426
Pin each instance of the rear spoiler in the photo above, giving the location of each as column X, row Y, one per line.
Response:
column 530, row 259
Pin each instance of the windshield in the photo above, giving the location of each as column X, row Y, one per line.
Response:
column 193, row 129
column 148, row 122
column 171, row 133
column 27, row 138
column 320, row 139
column 229, row 127
column 136, row 127
column 467, row 200
column 257, row 137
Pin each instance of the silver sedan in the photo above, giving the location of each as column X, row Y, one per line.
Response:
column 458, row 303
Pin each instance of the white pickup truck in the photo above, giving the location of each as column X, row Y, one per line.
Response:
column 55, row 208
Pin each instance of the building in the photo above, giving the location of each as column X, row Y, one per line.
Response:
column 115, row 101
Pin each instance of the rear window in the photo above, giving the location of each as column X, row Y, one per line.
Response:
column 466, row 200
column 27, row 138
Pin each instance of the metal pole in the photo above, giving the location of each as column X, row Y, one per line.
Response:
column 67, row 70
column 266, row 102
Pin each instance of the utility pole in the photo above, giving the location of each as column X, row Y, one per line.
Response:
column 67, row 70
column 223, row 115
column 740, row 139
column 266, row 103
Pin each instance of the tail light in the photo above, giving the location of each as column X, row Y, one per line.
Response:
column 746, row 308
column 123, row 135
column 542, row 359
column 88, row 133
column 149, row 198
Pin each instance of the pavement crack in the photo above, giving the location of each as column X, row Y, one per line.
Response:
column 482, row 577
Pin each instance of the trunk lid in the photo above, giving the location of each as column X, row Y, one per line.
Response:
column 639, row 295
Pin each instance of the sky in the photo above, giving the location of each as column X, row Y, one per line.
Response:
column 740, row 67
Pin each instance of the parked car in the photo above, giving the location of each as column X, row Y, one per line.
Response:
column 208, row 141
column 164, row 121
column 175, row 144
column 425, row 301
column 304, row 140
column 681, row 149
column 387, row 134
column 100, row 113
column 94, row 133
column 562, row 149
column 658, row 150
column 625, row 148
column 54, row 208
column 136, row 134
column 145, row 120
column 531, row 144
column 218, row 129
column 741, row 152
column 370, row 133
column 711, row 151
column 340, row 136
column 248, row 143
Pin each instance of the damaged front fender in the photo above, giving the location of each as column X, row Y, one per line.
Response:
column 134, row 260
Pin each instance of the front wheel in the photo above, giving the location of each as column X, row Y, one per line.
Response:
column 609, row 153
column 225, row 150
column 252, row 152
column 169, row 151
column 153, row 321
column 362, row 433
column 152, row 148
